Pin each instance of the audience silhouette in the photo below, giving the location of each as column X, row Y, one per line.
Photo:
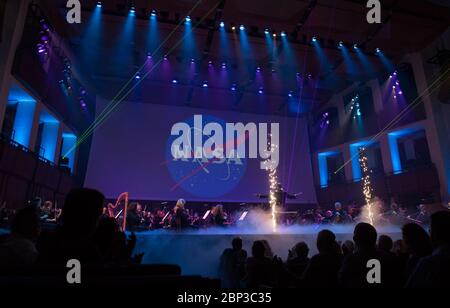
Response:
column 232, row 265
column 434, row 271
column 417, row 260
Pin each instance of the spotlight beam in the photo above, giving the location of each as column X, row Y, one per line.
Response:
column 211, row 32
column 92, row 125
column 370, row 37
column 404, row 112
column 105, row 116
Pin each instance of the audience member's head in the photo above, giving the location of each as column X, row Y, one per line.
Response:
column 258, row 249
column 326, row 241
column 348, row 247
column 416, row 240
column 106, row 228
column 338, row 206
column 301, row 250
column 399, row 248
column 385, row 243
column 26, row 223
column 236, row 243
column 440, row 228
column 81, row 211
column 365, row 236
column 267, row 249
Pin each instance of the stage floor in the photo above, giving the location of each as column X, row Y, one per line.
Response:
column 198, row 252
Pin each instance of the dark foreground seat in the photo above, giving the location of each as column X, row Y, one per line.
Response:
column 155, row 276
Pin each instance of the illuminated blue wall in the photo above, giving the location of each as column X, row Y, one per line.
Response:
column 68, row 142
column 323, row 170
column 323, row 167
column 393, row 146
column 395, row 155
column 356, row 168
column 50, row 139
column 354, row 154
column 23, row 122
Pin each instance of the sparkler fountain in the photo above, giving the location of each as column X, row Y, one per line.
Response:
column 273, row 183
column 367, row 187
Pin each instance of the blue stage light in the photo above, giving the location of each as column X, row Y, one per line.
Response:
column 290, row 94
column 261, row 90
column 355, row 46
column 341, row 44
column 283, row 34
column 138, row 76
column 314, row 39
column 241, row 27
column 205, row 84
column 378, row 50
column 222, row 24
column 188, row 19
column 224, row 65
column 174, row 81
column 266, row 31
column 233, row 87
column 132, row 10
column 99, row 4
column 153, row 13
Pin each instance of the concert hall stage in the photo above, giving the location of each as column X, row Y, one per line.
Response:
column 205, row 246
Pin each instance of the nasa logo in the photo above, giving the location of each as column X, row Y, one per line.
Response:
column 204, row 161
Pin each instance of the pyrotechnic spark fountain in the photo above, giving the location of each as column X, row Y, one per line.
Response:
column 367, row 187
column 273, row 183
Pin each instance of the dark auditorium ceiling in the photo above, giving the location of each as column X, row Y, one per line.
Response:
column 407, row 26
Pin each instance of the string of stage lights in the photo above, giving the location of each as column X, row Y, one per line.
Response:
column 132, row 11
column 441, row 79
column 92, row 126
column 254, row 32
column 204, row 84
column 99, row 120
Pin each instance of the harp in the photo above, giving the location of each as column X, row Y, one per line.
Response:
column 119, row 210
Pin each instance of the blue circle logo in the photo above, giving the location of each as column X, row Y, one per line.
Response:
column 204, row 177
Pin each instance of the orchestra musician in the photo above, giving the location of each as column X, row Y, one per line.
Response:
column 218, row 215
column 134, row 216
column 179, row 218
column 48, row 212
column 340, row 216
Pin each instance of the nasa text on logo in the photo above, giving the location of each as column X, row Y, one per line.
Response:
column 204, row 150
column 73, row 15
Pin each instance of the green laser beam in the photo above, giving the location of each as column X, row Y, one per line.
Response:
column 143, row 65
column 100, row 120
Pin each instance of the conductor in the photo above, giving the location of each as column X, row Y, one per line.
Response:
column 280, row 196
